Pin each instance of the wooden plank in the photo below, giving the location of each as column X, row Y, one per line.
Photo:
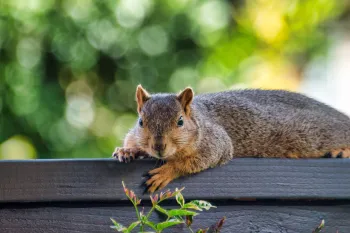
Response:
column 93, row 180
column 241, row 218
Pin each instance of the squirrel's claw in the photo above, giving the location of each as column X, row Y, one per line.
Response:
column 340, row 155
column 144, row 184
column 327, row 155
column 158, row 178
column 145, row 188
column 125, row 155
column 330, row 155
column 148, row 183
column 146, row 175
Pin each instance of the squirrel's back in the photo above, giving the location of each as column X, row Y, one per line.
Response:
column 297, row 124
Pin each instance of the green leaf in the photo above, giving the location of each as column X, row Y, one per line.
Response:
column 143, row 217
column 191, row 205
column 203, row 204
column 180, row 199
column 319, row 228
column 160, row 209
column 133, row 225
column 167, row 224
column 181, row 212
column 150, row 224
column 177, row 217
column 117, row 226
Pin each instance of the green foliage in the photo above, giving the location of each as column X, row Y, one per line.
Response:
column 174, row 216
column 69, row 68
column 169, row 223
column 182, row 215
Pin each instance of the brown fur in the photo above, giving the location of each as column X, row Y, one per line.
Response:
column 219, row 126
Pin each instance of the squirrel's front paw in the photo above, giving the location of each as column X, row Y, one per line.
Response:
column 159, row 178
column 125, row 154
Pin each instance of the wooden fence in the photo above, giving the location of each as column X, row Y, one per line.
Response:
column 255, row 195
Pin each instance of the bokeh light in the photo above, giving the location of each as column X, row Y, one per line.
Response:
column 17, row 147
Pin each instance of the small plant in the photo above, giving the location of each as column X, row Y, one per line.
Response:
column 183, row 215
column 319, row 228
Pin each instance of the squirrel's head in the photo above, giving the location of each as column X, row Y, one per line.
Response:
column 165, row 125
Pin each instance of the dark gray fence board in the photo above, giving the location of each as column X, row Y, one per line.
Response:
column 94, row 180
column 240, row 218
column 71, row 196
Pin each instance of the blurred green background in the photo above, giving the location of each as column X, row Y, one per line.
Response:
column 69, row 68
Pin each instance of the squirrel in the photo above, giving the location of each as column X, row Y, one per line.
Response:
column 193, row 133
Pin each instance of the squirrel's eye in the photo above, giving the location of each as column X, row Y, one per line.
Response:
column 180, row 122
column 140, row 122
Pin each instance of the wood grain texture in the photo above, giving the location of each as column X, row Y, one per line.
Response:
column 241, row 218
column 100, row 180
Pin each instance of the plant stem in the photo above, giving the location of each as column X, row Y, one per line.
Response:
column 150, row 212
column 138, row 217
column 189, row 227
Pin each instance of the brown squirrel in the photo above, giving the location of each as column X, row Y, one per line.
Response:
column 194, row 133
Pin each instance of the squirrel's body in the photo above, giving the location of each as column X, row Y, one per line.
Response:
column 273, row 123
column 195, row 133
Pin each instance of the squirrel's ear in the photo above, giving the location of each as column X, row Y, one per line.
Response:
column 185, row 97
column 141, row 97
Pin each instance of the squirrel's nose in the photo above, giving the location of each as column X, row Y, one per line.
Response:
column 159, row 144
column 159, row 147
